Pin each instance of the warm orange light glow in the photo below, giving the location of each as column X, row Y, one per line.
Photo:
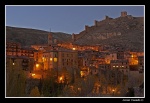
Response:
column 132, row 56
column 60, row 78
column 81, row 73
column 79, row 89
column 51, row 59
column 43, row 59
column 113, row 90
column 37, row 65
column 13, row 63
column 73, row 48
column 33, row 74
column 55, row 59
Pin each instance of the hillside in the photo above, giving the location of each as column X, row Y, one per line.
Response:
column 28, row 37
column 125, row 31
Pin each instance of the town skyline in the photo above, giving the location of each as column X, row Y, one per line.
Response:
column 105, row 59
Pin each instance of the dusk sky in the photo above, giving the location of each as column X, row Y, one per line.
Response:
column 64, row 18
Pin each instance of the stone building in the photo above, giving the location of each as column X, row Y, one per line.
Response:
column 62, row 58
column 121, row 64
column 123, row 13
column 13, row 48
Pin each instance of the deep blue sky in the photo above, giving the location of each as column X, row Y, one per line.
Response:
column 67, row 19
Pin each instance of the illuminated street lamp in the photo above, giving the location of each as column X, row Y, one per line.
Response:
column 60, row 79
column 113, row 91
column 73, row 48
column 132, row 55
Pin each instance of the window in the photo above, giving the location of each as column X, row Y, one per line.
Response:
column 62, row 54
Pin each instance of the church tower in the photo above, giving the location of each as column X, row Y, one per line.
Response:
column 50, row 39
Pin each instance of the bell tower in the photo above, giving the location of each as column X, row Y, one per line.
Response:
column 50, row 39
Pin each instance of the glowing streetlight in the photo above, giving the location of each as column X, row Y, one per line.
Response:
column 132, row 55
column 60, row 78
column 73, row 48
column 79, row 89
column 113, row 91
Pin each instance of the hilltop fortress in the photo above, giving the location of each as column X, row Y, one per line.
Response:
column 103, row 34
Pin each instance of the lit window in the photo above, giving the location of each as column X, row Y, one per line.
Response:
column 113, row 66
column 55, row 59
column 33, row 74
column 37, row 65
column 51, row 59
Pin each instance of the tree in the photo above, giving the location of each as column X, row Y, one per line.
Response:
column 81, row 87
column 15, row 80
column 50, row 86
column 130, row 92
column 35, row 92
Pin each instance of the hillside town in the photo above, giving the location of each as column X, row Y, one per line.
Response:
column 59, row 69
